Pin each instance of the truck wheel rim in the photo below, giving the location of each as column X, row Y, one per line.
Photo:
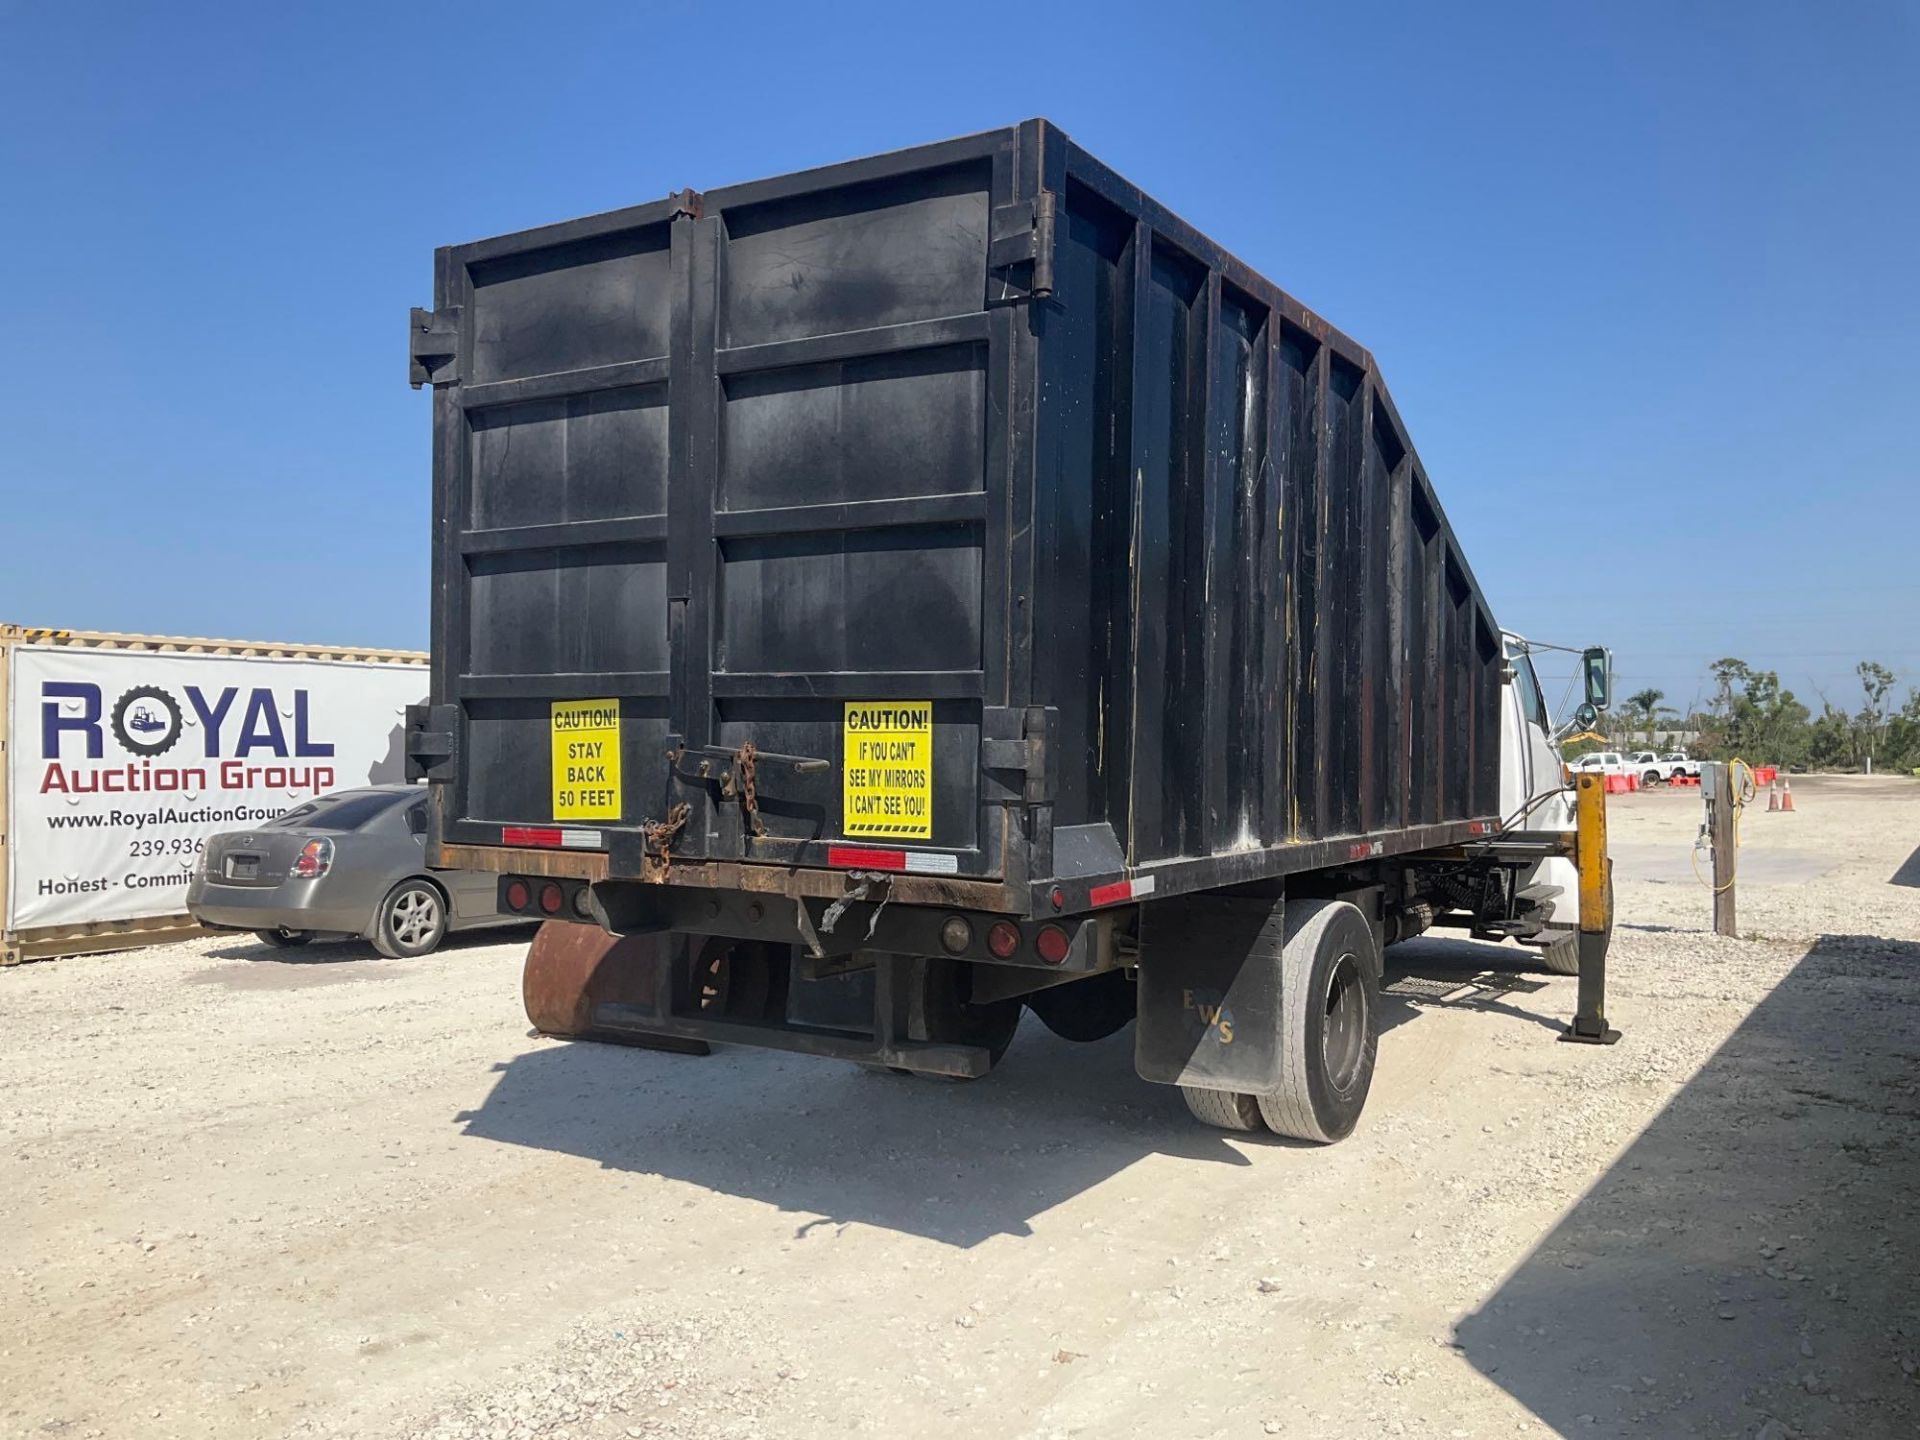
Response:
column 1343, row 1031
column 415, row 914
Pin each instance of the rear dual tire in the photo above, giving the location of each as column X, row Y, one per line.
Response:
column 1329, row 1032
column 1223, row 1109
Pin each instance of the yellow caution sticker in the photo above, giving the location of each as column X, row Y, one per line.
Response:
column 887, row 769
column 586, row 760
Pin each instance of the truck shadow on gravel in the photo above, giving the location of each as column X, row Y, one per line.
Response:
column 958, row 1163
column 1750, row 1258
column 1435, row 971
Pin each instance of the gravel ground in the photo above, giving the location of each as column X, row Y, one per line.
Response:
column 317, row 1194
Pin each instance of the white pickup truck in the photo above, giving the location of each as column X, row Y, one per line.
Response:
column 1600, row 762
column 1654, row 768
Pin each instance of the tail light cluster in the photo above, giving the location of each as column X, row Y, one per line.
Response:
column 544, row 898
column 314, row 860
column 1050, row 942
column 1005, row 940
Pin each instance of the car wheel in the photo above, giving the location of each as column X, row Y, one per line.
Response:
column 283, row 938
column 1652, row 777
column 412, row 920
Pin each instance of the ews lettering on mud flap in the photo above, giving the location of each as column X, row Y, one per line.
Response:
column 586, row 760
column 1213, row 1013
column 886, row 769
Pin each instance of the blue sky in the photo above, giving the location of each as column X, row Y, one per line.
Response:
column 1644, row 263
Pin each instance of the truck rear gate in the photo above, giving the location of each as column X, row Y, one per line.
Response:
column 959, row 513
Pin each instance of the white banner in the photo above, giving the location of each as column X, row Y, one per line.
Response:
column 122, row 763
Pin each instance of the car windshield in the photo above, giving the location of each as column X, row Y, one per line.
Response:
column 347, row 811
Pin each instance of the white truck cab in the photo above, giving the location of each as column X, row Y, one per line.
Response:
column 1536, row 801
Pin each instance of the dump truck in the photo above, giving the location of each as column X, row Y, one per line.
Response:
column 878, row 601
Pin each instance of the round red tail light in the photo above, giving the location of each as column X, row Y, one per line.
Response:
column 517, row 895
column 1052, row 943
column 552, row 897
column 1003, row 939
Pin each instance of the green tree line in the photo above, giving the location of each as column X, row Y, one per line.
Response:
column 1752, row 716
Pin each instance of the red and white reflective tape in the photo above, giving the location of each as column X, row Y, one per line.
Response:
column 1480, row 827
column 1119, row 892
column 551, row 837
column 1365, row 850
column 914, row 862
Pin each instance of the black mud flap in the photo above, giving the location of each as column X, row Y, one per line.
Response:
column 1210, row 993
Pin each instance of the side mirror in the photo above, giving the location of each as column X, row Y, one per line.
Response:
column 1597, row 665
column 1585, row 717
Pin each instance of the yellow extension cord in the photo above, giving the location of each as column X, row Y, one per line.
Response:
column 1744, row 788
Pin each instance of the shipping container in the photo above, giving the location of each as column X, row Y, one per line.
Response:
column 953, row 528
column 120, row 754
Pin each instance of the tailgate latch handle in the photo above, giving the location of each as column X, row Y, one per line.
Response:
column 716, row 762
column 736, row 772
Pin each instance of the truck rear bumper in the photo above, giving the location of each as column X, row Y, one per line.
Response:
column 771, row 880
column 862, row 914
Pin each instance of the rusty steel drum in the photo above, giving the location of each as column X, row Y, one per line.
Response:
column 572, row 968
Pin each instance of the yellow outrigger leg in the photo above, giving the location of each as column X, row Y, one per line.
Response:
column 1589, row 1025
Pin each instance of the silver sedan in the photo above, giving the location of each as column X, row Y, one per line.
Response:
column 348, row 863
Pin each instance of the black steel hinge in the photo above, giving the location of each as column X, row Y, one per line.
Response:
column 430, row 742
column 1020, row 252
column 1013, row 754
column 433, row 347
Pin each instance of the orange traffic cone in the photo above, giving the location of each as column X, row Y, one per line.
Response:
column 1773, row 797
column 1786, row 795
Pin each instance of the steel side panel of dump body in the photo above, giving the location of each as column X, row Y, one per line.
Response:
column 1015, row 527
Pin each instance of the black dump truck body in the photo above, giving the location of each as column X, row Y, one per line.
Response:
column 959, row 522
column 974, row 440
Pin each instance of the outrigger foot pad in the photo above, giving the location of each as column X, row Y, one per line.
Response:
column 1575, row 1035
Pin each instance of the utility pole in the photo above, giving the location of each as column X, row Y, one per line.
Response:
column 1717, row 785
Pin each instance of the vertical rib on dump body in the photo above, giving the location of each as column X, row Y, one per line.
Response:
column 1031, row 542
